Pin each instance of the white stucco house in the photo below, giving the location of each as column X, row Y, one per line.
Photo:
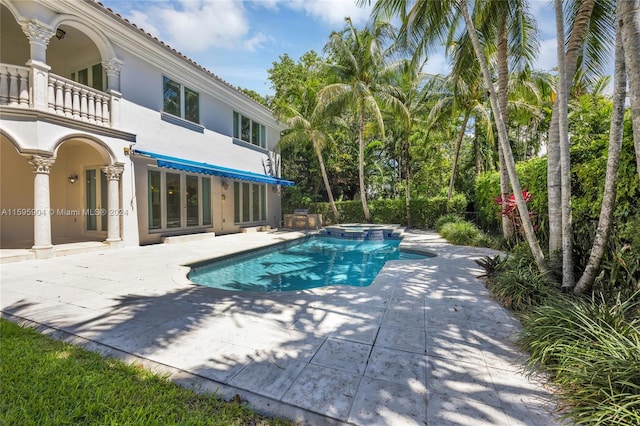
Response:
column 108, row 134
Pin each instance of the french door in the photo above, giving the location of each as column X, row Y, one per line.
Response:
column 95, row 199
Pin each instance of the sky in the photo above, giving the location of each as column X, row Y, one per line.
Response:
column 240, row 40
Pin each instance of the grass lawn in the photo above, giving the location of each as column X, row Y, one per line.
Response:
column 48, row 382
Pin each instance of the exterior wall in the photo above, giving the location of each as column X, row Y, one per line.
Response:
column 134, row 67
column 16, row 187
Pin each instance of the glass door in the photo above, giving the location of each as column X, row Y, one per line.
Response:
column 95, row 199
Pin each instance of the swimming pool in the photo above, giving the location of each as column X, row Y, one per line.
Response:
column 309, row 263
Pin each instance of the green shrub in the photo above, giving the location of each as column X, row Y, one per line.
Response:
column 424, row 211
column 463, row 233
column 592, row 350
column 448, row 218
column 521, row 288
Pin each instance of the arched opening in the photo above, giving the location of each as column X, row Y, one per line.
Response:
column 14, row 46
column 16, row 197
column 72, row 54
column 79, row 192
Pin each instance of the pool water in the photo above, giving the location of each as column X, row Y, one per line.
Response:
column 313, row 262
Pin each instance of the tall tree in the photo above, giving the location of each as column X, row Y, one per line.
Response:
column 565, row 163
column 590, row 26
column 605, row 221
column 415, row 89
column 630, row 21
column 431, row 20
column 358, row 59
column 503, row 139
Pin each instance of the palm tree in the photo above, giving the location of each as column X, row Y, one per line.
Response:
column 565, row 163
column 428, row 21
column 630, row 16
column 504, row 140
column 590, row 24
column 311, row 126
column 358, row 61
column 611, row 180
column 415, row 90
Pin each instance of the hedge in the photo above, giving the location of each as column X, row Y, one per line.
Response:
column 424, row 211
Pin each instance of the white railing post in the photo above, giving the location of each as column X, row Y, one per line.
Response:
column 13, row 88
column 67, row 102
column 75, row 108
column 4, row 85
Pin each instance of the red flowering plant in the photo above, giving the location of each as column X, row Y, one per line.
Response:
column 509, row 209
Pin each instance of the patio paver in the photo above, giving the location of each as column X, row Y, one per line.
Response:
column 425, row 343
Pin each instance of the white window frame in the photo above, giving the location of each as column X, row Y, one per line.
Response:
column 237, row 130
column 183, row 100
column 183, row 210
column 238, row 196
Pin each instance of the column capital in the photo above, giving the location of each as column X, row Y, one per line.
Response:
column 112, row 66
column 41, row 165
column 37, row 32
column 113, row 172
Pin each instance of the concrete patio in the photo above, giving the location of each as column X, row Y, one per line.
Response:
column 424, row 344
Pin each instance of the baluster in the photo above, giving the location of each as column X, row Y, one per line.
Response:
column 51, row 96
column 75, row 100
column 99, row 110
column 68, row 106
column 13, row 88
column 92, row 107
column 4, row 86
column 59, row 98
column 83, row 105
column 24, row 88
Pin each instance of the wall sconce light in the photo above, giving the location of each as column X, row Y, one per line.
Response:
column 222, row 197
column 60, row 34
column 225, row 185
column 73, row 178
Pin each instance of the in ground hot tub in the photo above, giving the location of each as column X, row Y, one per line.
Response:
column 364, row 231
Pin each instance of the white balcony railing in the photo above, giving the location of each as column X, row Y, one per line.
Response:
column 75, row 100
column 14, row 86
column 64, row 97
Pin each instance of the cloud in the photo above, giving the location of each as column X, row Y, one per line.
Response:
column 197, row 25
column 437, row 64
column 548, row 57
column 331, row 12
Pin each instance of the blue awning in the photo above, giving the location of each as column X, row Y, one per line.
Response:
column 209, row 169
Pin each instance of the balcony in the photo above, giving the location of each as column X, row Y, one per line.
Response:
column 59, row 96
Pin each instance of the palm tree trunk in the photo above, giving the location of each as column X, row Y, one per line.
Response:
column 325, row 179
column 407, row 176
column 568, row 280
column 503, row 101
column 574, row 49
column 457, row 154
column 504, row 142
column 363, row 192
column 477, row 150
column 611, row 180
column 630, row 16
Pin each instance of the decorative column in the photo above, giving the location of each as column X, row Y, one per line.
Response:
column 112, row 68
column 41, row 206
column 39, row 35
column 113, row 173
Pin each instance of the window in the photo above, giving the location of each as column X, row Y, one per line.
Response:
column 155, row 206
column 248, row 130
column 178, row 201
column 180, row 101
column 250, row 202
column 91, row 76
